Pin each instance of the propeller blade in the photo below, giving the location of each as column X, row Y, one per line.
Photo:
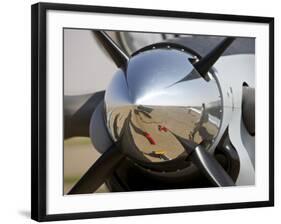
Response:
column 118, row 56
column 206, row 163
column 205, row 63
column 77, row 113
column 99, row 171
column 211, row 167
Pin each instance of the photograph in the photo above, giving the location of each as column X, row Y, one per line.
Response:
column 141, row 111
column 147, row 111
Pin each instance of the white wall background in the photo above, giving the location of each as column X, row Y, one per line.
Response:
column 15, row 110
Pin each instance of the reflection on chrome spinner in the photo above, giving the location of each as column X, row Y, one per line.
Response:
column 158, row 98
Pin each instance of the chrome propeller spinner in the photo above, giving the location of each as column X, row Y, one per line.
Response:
column 161, row 96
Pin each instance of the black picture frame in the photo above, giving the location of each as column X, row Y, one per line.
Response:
column 38, row 108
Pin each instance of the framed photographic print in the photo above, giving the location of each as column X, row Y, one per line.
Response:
column 138, row 111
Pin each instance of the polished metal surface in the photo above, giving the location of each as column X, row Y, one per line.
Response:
column 162, row 97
